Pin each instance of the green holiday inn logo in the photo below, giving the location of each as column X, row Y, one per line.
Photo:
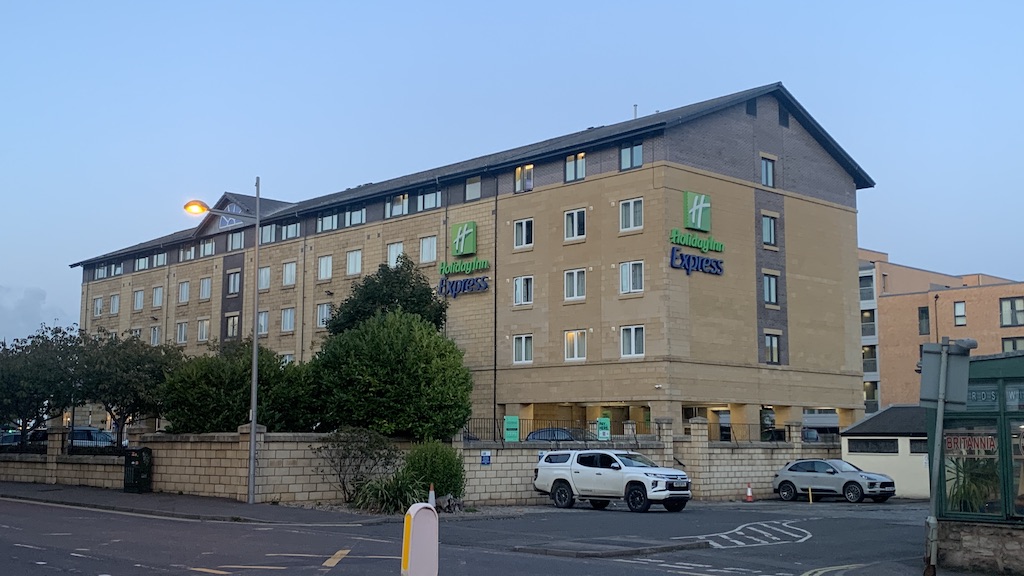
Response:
column 464, row 239
column 696, row 216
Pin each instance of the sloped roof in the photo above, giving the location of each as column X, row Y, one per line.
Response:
column 892, row 421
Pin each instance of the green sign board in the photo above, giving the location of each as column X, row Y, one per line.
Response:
column 697, row 208
column 511, row 428
column 604, row 429
column 464, row 239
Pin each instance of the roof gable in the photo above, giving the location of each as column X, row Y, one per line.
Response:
column 892, row 421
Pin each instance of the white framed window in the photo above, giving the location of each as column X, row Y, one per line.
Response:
column 234, row 282
column 141, row 263
column 631, row 155
column 263, row 278
column 428, row 201
column 355, row 217
column 205, row 288
column 262, row 321
column 287, row 319
column 768, row 224
column 325, row 267
column 181, row 332
column 767, row 172
column 117, row 269
column 115, row 303
column 631, row 214
column 136, row 332
column 959, row 313
column 203, row 332
column 771, row 349
column 523, row 233
column 289, row 231
column 522, row 349
column 323, row 315
column 232, row 326
column 183, row 292
column 632, row 341
column 428, row 249
column 186, row 253
column 97, row 306
column 100, row 272
column 395, row 250
column 631, row 277
column 138, row 297
column 473, row 188
column 771, row 289
column 397, row 205
column 354, row 262
column 160, row 259
column 207, row 248
column 575, row 344
column 236, row 240
column 268, row 233
column 575, row 167
column 576, row 284
column 288, row 274
column 154, row 336
column 158, row 296
column 524, row 178
column 576, row 224
column 325, row 222
column 522, row 290
column 287, row 359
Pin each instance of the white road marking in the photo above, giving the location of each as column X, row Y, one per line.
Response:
column 737, row 538
column 29, row 546
column 763, row 533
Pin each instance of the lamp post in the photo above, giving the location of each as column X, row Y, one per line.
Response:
column 198, row 207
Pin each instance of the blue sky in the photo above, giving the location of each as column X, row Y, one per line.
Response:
column 116, row 113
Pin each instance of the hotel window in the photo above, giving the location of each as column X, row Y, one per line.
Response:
column 575, row 344
column 204, row 330
column 287, row 319
column 923, row 321
column 186, row 254
column 396, row 206
column 771, row 289
column 768, row 172
column 289, row 231
column 867, row 288
column 234, row 283
column 960, row 313
column 206, row 248
column 869, row 357
column 631, row 155
column 236, row 240
column 631, row 277
column 115, row 303
column 575, row 284
column 522, row 349
column 135, row 332
column 523, row 233
column 428, row 201
column 576, row 224
column 181, row 330
column 631, row 214
column 428, row 249
column 354, row 262
column 97, row 306
column 268, row 233
column 154, row 336
column 158, row 296
column 262, row 320
column 473, row 188
column 355, row 217
column 325, row 267
column 1013, row 344
column 575, row 167
column 141, row 263
column 205, row 288
column 117, row 269
column 288, row 274
column 867, row 323
column 768, row 231
column 771, row 349
column 100, row 272
column 394, row 251
column 263, row 278
column 138, row 297
column 522, row 290
column 524, row 178
column 632, row 341
column 326, row 222
column 233, row 327
column 1011, row 311
column 160, row 259
column 183, row 292
column 287, row 359
column 323, row 315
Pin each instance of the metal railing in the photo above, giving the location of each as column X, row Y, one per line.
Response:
column 491, row 430
column 748, row 433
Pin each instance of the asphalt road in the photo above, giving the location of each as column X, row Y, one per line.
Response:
column 768, row 538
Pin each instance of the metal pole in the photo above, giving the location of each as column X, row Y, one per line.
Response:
column 933, row 523
column 255, row 350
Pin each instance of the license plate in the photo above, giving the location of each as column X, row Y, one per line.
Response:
column 889, row 489
column 678, row 485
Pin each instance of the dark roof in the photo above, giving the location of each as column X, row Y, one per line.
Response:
column 892, row 421
column 552, row 148
column 169, row 240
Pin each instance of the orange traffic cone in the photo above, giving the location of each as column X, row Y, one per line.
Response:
column 750, row 494
column 430, row 498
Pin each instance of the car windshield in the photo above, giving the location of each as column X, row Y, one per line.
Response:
column 636, row 461
column 844, row 466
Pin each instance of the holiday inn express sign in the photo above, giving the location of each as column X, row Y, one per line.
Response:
column 463, row 244
column 697, row 216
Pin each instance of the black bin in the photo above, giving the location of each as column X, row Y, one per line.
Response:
column 138, row 470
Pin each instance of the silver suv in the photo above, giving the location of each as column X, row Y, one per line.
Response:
column 816, row 478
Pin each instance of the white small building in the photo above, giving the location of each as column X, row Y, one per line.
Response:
column 893, row 441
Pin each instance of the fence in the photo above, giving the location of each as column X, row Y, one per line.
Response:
column 746, row 433
column 489, row 429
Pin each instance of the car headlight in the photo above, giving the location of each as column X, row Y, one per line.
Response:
column 654, row 475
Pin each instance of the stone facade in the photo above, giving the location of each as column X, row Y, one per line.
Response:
column 980, row 547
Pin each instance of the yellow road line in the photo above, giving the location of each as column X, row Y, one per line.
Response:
column 209, row 571
column 333, row 560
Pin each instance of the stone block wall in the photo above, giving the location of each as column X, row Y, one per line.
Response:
column 23, row 468
column 98, row 471
column 984, row 548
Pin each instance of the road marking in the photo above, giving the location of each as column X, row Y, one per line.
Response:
column 99, row 510
column 243, row 566
column 58, row 534
column 333, row 560
column 736, row 538
column 29, row 546
column 836, row 569
column 372, row 540
column 299, row 555
column 209, row 571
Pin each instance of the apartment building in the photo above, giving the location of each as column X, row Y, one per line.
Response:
column 693, row 261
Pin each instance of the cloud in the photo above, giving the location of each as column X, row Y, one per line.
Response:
column 24, row 310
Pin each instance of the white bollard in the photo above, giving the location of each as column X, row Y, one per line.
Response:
column 420, row 542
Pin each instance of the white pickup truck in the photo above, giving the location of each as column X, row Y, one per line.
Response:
column 600, row 476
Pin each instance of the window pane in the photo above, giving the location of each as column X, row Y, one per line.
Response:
column 638, row 277
column 624, row 277
column 638, row 155
column 624, row 154
column 971, row 467
column 638, row 338
column 264, row 278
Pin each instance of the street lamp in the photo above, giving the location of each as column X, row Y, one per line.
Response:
column 197, row 208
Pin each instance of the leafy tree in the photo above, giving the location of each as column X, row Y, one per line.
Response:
column 396, row 374
column 38, row 375
column 403, row 287
column 291, row 402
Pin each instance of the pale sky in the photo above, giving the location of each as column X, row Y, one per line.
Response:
column 116, row 113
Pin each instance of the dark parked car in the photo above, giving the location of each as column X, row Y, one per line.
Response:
column 561, row 435
column 10, row 439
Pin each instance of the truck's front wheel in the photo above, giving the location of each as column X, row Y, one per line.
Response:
column 636, row 498
column 562, row 495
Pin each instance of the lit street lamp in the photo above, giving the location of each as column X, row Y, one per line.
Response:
column 198, row 207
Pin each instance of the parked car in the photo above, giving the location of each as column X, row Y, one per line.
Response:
column 37, row 437
column 820, row 478
column 561, row 435
column 9, row 439
column 600, row 476
column 87, row 436
column 779, row 435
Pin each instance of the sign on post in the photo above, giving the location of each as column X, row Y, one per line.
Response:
column 604, row 428
column 958, row 364
column 511, row 428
